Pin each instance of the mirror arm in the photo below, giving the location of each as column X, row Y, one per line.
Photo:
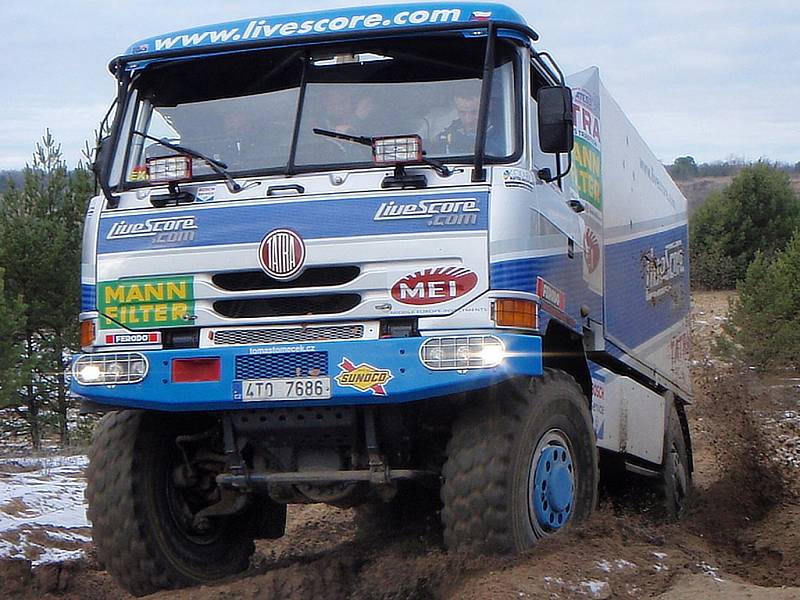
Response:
column 479, row 172
column 105, row 166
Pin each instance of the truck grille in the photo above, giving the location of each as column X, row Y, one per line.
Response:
column 231, row 337
column 241, row 281
column 266, row 366
column 293, row 306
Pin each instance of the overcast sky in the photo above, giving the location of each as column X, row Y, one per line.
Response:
column 709, row 78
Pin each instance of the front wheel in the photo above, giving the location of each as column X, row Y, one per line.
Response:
column 142, row 514
column 521, row 465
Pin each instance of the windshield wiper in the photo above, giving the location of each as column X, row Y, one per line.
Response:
column 437, row 166
column 219, row 167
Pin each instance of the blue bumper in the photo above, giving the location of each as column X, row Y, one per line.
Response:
column 408, row 379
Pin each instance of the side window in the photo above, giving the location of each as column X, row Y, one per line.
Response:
column 540, row 159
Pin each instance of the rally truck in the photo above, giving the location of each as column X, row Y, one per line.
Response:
column 364, row 257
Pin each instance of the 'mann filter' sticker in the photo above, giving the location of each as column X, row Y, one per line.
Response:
column 146, row 303
column 363, row 377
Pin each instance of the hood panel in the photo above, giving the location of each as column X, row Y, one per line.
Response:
column 364, row 258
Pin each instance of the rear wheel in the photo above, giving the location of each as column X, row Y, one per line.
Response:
column 676, row 473
column 143, row 512
column 520, row 466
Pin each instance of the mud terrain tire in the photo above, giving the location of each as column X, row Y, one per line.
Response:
column 499, row 449
column 137, row 537
column 676, row 474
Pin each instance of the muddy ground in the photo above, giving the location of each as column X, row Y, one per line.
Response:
column 741, row 538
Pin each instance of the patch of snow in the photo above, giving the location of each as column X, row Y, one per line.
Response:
column 595, row 588
column 709, row 570
column 603, row 565
column 42, row 511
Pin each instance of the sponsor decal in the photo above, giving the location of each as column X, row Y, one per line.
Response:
column 205, row 193
column 553, row 301
column 150, row 337
column 592, row 250
column 550, row 294
column 598, row 406
column 363, row 377
column 140, row 48
column 139, row 173
column 652, row 174
column 145, row 303
column 163, row 230
column 679, row 349
column 438, row 212
column 586, row 154
column 282, row 254
column 261, row 29
column 282, row 349
column 661, row 270
column 519, row 178
column 434, row 286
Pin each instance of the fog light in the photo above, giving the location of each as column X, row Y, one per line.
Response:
column 110, row 369
column 462, row 352
column 89, row 373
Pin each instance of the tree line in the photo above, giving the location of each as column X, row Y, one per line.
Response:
column 40, row 249
column 685, row 167
column 747, row 236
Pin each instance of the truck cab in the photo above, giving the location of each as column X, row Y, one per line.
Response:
column 343, row 255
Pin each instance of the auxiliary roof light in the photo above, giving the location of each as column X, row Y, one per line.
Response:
column 397, row 150
column 169, row 169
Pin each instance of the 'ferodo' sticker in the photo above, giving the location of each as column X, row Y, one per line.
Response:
column 152, row 337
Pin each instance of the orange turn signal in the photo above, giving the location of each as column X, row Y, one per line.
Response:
column 512, row 312
column 87, row 333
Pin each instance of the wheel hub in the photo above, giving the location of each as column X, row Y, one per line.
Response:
column 553, row 487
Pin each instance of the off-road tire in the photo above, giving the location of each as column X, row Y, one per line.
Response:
column 676, row 477
column 137, row 540
column 489, row 461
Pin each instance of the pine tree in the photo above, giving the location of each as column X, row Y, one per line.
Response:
column 40, row 229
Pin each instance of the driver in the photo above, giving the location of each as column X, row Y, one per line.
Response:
column 459, row 137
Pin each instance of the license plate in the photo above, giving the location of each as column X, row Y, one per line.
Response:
column 296, row 388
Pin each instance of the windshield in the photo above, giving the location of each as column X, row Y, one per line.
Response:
column 257, row 111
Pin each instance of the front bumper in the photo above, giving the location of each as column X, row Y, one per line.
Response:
column 410, row 380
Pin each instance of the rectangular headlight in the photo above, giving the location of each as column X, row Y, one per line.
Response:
column 169, row 169
column 397, row 150
column 462, row 352
column 110, row 369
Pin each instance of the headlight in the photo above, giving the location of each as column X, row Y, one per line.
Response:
column 462, row 352
column 110, row 369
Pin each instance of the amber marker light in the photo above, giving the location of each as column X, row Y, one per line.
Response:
column 87, row 333
column 513, row 312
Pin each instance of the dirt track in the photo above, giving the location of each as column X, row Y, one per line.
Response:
column 741, row 538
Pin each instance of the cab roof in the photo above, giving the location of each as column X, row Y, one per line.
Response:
column 295, row 28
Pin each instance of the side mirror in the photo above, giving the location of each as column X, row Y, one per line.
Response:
column 555, row 119
column 100, row 155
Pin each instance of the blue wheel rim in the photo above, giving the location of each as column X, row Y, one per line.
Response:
column 552, row 485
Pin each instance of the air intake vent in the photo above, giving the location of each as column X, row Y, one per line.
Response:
column 242, row 281
column 282, row 335
column 292, row 306
column 267, row 366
